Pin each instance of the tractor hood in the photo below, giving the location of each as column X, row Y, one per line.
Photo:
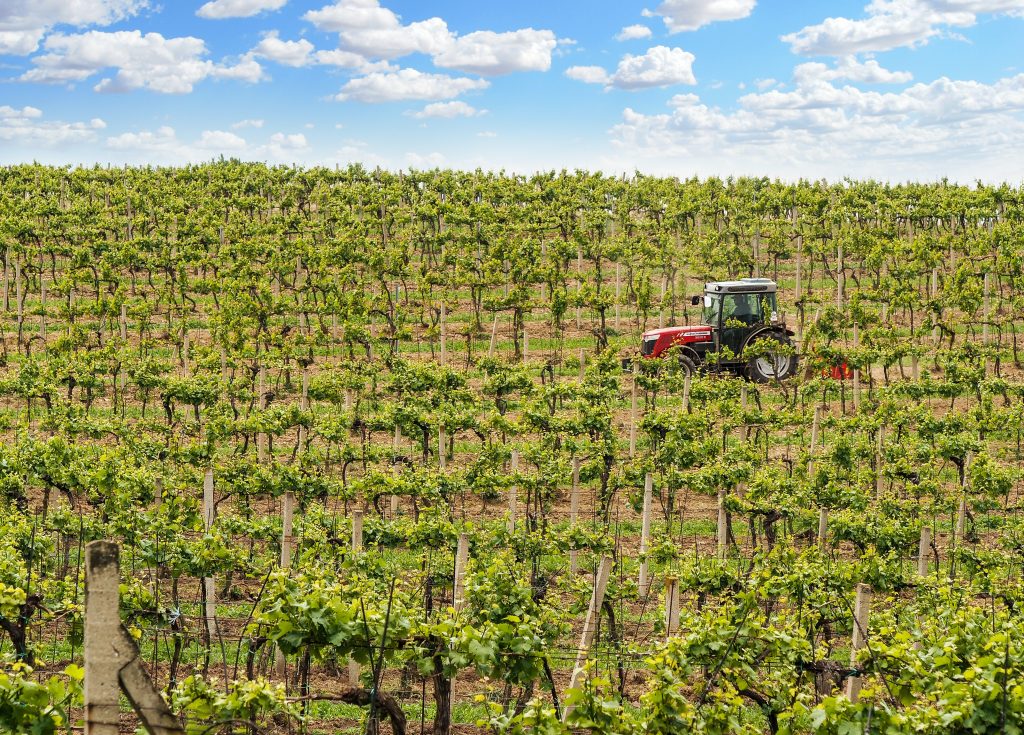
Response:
column 656, row 341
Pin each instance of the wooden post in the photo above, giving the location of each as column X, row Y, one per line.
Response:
column 632, row 417
column 261, row 397
column 494, row 337
column 442, row 448
column 645, row 534
column 357, row 547
column 961, row 515
column 461, row 560
column 879, row 477
column 671, row 606
column 287, row 513
column 923, row 546
column 856, row 371
column 815, row 429
column 112, row 660
column 840, row 278
column 287, row 510
column 861, row 613
column 357, row 531
column 102, row 617
column 618, row 292
column 574, row 508
column 722, row 527
column 209, row 588
column 987, row 312
column 444, row 334
column 604, row 571
column 42, row 307
column 822, row 527
column 513, row 494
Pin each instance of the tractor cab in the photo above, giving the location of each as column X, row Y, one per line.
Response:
column 735, row 315
column 733, row 309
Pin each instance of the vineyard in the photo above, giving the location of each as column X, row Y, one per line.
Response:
column 379, row 453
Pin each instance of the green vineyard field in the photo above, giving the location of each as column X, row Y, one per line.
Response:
column 380, row 454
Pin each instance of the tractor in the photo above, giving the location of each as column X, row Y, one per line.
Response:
column 736, row 314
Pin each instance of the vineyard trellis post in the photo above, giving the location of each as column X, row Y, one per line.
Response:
column 861, row 614
column 671, row 606
column 645, row 534
column 112, row 659
column 574, row 509
column 604, row 571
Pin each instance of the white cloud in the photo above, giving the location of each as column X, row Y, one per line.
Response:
column 689, row 15
column 289, row 53
column 763, row 84
column 431, row 160
column 26, row 127
column 866, row 72
column 407, row 84
column 893, row 23
column 23, row 23
column 955, row 128
column 633, row 32
column 490, row 53
column 218, row 9
column 368, row 30
column 250, row 123
column 150, row 61
column 487, row 134
column 286, row 147
column 659, row 67
column 588, row 74
column 164, row 146
column 457, row 108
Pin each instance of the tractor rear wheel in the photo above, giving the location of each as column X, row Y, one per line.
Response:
column 772, row 366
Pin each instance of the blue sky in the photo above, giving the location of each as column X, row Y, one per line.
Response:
column 886, row 89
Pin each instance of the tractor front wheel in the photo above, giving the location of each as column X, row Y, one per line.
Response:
column 772, row 366
column 687, row 366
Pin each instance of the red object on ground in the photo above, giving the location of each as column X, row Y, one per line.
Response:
column 838, row 372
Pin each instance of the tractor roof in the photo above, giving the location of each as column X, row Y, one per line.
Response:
column 744, row 285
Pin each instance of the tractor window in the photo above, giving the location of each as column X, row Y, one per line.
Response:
column 749, row 308
column 714, row 312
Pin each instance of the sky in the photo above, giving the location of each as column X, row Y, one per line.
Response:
column 895, row 90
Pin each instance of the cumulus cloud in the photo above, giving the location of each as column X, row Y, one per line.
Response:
column 890, row 24
column 633, row 32
column 457, row 108
column 489, row 53
column 865, row 72
column 288, row 53
column 219, row 9
column 659, row 67
column 26, row 127
column 821, row 129
column 249, row 123
column 164, row 146
column 142, row 61
column 23, row 23
column 407, row 84
column 689, row 15
column 368, row 30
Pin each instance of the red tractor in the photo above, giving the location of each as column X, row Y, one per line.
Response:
column 736, row 315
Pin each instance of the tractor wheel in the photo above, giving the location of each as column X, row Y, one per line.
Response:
column 687, row 366
column 772, row 367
